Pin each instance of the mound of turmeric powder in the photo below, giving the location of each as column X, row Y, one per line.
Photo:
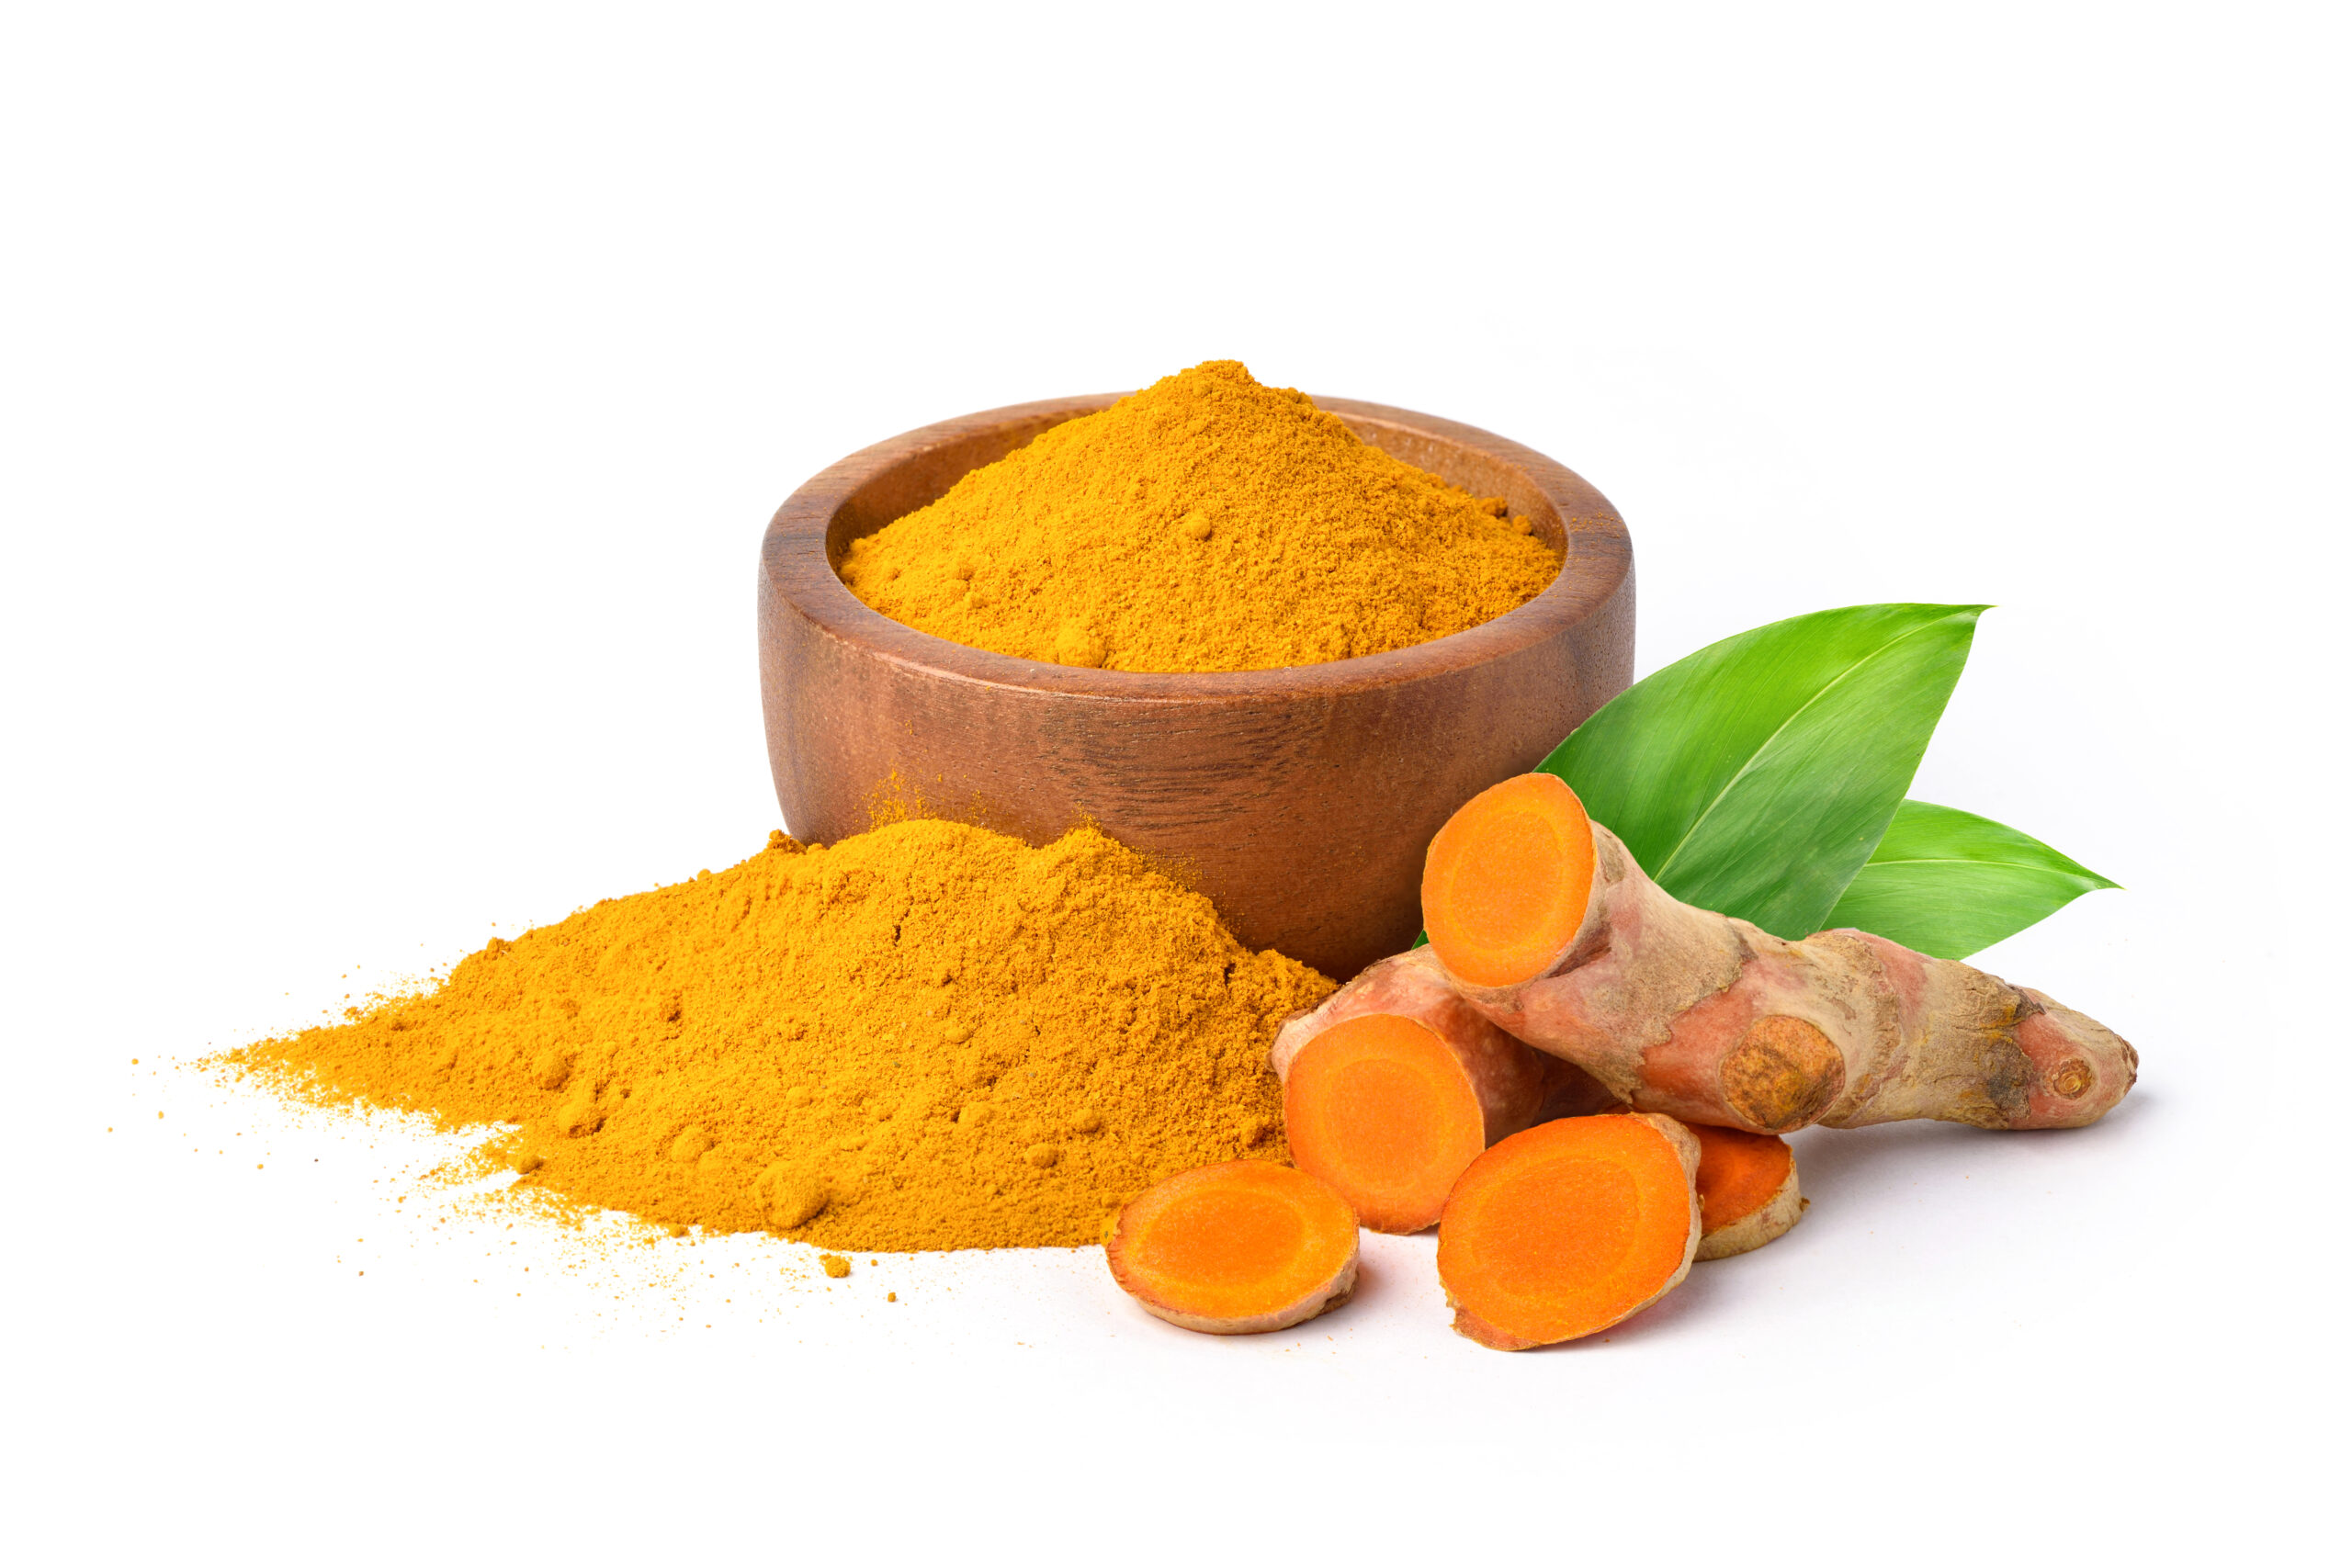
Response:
column 926, row 1036
column 1204, row 523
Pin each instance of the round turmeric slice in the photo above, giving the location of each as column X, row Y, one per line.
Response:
column 1505, row 885
column 1243, row 1247
column 1382, row 1109
column 1568, row 1227
column 1748, row 1190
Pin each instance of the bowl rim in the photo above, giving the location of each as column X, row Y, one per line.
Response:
column 1596, row 560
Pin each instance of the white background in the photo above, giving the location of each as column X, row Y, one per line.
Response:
column 392, row 400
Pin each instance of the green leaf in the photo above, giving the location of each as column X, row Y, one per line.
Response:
column 1951, row 883
column 1756, row 777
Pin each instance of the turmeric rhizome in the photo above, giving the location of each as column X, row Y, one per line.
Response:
column 1550, row 929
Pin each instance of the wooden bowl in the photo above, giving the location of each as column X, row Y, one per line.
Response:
column 1301, row 800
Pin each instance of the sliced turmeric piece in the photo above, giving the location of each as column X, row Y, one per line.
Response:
column 1395, row 1084
column 1506, row 881
column 1243, row 1247
column 1748, row 1190
column 1381, row 1109
column 1568, row 1227
column 1709, row 1018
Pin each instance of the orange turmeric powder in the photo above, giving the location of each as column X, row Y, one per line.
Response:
column 1204, row 523
column 925, row 1036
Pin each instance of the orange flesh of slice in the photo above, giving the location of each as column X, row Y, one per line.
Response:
column 1559, row 1231
column 1738, row 1172
column 1234, row 1241
column 1380, row 1109
column 1507, row 879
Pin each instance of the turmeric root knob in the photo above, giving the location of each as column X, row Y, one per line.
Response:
column 1243, row 1247
column 1783, row 1075
column 1569, row 1228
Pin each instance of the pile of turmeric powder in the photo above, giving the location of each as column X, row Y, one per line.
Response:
column 926, row 1036
column 1204, row 523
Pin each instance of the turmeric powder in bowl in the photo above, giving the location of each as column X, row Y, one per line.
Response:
column 1205, row 522
column 927, row 1036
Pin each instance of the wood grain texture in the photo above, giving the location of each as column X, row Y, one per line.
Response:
column 1301, row 799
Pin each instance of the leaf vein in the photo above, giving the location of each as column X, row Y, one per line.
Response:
column 1981, row 860
column 1794, row 714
